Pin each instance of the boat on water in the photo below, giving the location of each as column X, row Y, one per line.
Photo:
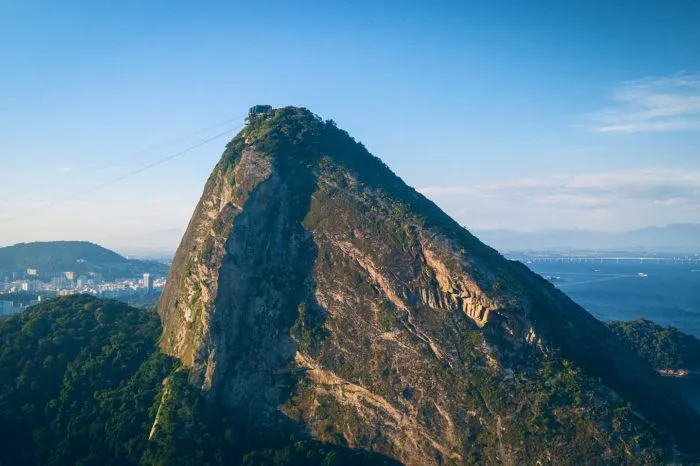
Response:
column 553, row 278
column 642, row 274
column 673, row 372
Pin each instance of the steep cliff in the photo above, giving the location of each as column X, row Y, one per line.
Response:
column 314, row 292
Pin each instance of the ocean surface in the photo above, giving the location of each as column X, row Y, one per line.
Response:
column 665, row 293
column 668, row 294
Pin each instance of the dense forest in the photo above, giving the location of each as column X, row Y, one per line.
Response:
column 81, row 380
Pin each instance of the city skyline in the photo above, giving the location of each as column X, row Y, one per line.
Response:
column 524, row 118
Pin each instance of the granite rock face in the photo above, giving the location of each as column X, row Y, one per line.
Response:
column 314, row 291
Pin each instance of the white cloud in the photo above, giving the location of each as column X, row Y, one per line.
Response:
column 589, row 189
column 670, row 103
column 610, row 200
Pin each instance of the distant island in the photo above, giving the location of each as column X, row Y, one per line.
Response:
column 668, row 350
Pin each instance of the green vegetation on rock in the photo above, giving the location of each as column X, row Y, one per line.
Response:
column 413, row 339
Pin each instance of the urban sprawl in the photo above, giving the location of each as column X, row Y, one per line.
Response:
column 42, row 285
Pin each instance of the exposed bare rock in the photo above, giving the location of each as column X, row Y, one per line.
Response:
column 315, row 293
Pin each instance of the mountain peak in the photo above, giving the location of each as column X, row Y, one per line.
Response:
column 316, row 293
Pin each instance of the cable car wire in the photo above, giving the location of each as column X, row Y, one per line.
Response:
column 124, row 176
column 115, row 162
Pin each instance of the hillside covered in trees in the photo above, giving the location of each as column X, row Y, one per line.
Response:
column 663, row 347
column 80, row 384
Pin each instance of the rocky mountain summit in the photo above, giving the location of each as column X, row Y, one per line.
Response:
column 315, row 293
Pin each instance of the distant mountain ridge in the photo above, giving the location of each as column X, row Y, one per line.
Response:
column 679, row 237
column 76, row 256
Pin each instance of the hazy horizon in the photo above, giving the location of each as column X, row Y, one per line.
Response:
column 165, row 242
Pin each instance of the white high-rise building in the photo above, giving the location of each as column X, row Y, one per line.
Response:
column 147, row 282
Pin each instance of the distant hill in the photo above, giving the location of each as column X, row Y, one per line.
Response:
column 75, row 256
column 662, row 347
column 681, row 237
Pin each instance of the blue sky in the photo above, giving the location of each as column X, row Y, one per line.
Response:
column 550, row 115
